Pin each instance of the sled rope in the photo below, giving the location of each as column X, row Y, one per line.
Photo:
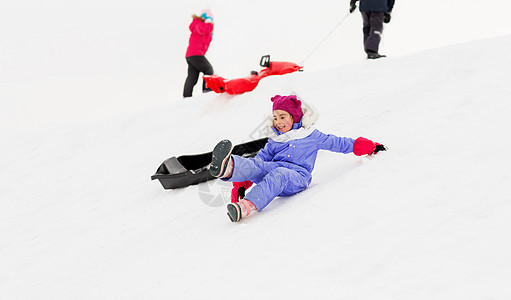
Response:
column 326, row 37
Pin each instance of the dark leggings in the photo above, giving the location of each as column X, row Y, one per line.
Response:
column 373, row 27
column 196, row 65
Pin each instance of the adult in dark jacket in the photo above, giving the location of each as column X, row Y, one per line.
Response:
column 374, row 14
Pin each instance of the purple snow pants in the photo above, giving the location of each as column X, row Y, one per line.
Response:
column 272, row 179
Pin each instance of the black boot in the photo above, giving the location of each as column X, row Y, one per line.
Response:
column 234, row 212
column 374, row 55
column 220, row 158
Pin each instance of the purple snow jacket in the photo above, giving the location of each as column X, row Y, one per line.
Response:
column 302, row 151
column 300, row 145
column 284, row 166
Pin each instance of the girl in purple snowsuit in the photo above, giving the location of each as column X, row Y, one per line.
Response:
column 284, row 166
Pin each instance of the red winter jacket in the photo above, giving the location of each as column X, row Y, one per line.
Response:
column 202, row 34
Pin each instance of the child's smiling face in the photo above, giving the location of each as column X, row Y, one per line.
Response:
column 282, row 121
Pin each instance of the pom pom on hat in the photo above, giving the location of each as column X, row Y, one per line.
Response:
column 291, row 104
column 207, row 15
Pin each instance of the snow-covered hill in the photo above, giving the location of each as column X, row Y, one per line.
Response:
column 83, row 61
column 429, row 219
column 90, row 105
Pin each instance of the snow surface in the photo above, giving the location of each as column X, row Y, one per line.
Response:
column 90, row 106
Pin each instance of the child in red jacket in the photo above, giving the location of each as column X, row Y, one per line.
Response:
column 201, row 35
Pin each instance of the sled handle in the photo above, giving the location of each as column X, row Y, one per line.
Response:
column 265, row 61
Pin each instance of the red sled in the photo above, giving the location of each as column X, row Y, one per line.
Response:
column 241, row 85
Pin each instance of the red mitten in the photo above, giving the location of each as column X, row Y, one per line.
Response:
column 238, row 190
column 364, row 146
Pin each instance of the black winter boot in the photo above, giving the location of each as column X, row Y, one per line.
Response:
column 374, row 55
column 221, row 158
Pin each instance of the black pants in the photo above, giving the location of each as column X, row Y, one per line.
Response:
column 196, row 65
column 373, row 28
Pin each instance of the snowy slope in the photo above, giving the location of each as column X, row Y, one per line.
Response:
column 90, row 105
column 429, row 219
column 83, row 61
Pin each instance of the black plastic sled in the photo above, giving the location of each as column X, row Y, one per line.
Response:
column 185, row 170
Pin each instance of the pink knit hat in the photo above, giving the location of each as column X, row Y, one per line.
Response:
column 291, row 104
